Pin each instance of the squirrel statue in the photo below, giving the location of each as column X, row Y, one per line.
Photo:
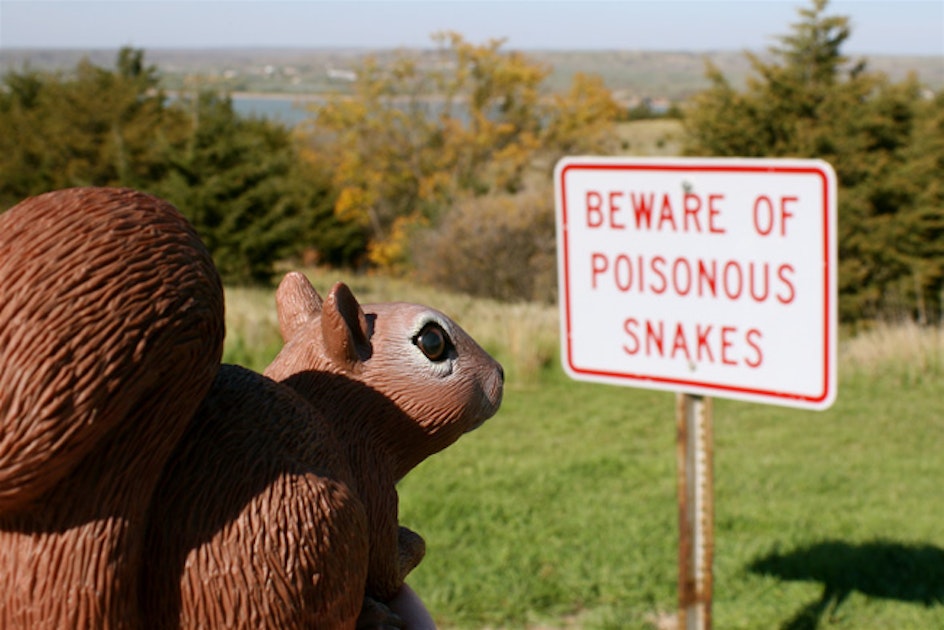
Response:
column 144, row 484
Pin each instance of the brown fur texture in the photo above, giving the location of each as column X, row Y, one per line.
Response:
column 401, row 406
column 111, row 334
column 143, row 485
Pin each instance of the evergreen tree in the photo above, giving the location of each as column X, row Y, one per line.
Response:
column 810, row 101
column 240, row 181
column 916, row 186
column 23, row 151
column 97, row 127
column 234, row 181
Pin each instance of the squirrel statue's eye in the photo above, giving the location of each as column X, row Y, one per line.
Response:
column 433, row 342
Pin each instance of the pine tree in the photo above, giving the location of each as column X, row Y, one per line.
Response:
column 811, row 101
column 240, row 181
column 917, row 187
column 94, row 127
column 233, row 180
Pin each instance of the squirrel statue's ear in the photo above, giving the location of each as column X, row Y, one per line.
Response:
column 344, row 328
column 297, row 303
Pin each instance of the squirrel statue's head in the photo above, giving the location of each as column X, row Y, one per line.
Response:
column 415, row 356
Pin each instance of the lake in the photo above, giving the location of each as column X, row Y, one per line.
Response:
column 288, row 109
column 292, row 109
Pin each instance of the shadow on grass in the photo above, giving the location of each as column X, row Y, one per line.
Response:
column 883, row 569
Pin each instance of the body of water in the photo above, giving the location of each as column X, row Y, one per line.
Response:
column 289, row 110
column 292, row 109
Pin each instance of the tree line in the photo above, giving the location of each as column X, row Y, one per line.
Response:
column 885, row 141
column 438, row 162
column 237, row 179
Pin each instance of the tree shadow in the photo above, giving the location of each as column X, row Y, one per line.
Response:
column 882, row 569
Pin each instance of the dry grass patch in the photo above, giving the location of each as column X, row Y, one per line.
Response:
column 905, row 348
column 523, row 335
column 656, row 137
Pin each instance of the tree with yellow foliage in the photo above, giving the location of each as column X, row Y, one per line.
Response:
column 424, row 129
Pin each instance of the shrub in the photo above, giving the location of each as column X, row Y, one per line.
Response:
column 498, row 246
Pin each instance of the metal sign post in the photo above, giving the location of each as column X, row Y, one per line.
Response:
column 696, row 510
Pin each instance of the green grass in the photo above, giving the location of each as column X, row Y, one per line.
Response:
column 561, row 511
column 564, row 506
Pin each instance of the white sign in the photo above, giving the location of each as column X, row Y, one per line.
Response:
column 710, row 276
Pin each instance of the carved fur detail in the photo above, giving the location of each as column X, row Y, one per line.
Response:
column 143, row 484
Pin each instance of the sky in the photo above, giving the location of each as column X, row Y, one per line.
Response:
column 909, row 27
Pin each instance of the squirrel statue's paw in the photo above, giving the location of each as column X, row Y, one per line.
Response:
column 412, row 548
column 376, row 615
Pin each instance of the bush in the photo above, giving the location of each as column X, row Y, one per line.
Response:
column 498, row 246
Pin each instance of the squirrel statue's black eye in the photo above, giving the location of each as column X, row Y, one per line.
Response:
column 433, row 342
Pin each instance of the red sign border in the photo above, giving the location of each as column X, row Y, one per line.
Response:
column 727, row 165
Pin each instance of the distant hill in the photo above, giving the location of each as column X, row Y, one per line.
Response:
column 678, row 75
column 630, row 74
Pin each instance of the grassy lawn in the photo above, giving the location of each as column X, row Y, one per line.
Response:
column 561, row 512
column 563, row 508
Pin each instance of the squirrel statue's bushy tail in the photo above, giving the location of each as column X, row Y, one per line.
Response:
column 111, row 333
